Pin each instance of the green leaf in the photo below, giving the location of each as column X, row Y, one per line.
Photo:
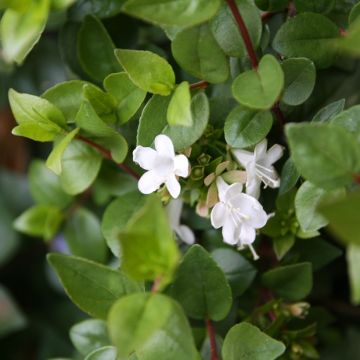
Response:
column 152, row 325
column 354, row 13
column 343, row 218
column 271, row 5
column 61, row 4
column 300, row 75
column 245, row 341
column 53, row 162
column 307, row 200
column 20, row 31
column 283, row 244
column 40, row 220
column 289, row 177
column 89, row 335
column 330, row 111
column 45, row 186
column 324, row 154
column 201, row 287
column 196, row 51
column 153, row 121
column 317, row 6
column 83, row 236
column 349, row 120
column 245, row 127
column 96, row 50
column 308, row 35
column 12, row 319
column 104, row 353
column 259, row 89
column 292, row 282
column 239, row 272
column 80, row 166
column 97, row 130
column 179, row 109
column 38, row 119
column 99, row 8
column 147, row 70
column 172, row 13
column 116, row 217
column 91, row 286
column 149, row 248
column 128, row 96
column 226, row 31
column 353, row 261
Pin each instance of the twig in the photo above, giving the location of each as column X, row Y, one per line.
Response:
column 199, row 85
column 211, row 334
column 107, row 155
column 155, row 285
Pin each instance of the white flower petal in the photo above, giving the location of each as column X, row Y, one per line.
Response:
column 164, row 146
column 185, row 234
column 145, row 157
column 222, row 188
column 149, row 182
column 173, row 186
column 229, row 232
column 274, row 154
column 181, row 166
column 233, row 190
column 247, row 235
column 243, row 156
column 174, row 212
column 260, row 150
column 253, row 187
column 218, row 215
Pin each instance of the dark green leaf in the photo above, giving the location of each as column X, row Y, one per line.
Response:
column 353, row 260
column 316, row 6
column 350, row 120
column 289, row 177
column 329, row 111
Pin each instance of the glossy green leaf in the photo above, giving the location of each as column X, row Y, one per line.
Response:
column 153, row 121
column 349, row 120
column 99, row 8
column 149, row 248
column 116, row 217
column 53, row 162
column 149, row 71
column 196, row 50
column 179, row 109
column 201, row 287
column 20, row 31
column 259, row 89
column 245, row 341
column 239, row 272
column 324, row 154
column 97, row 130
column 330, row 111
column 80, row 166
column 300, row 75
column 289, row 177
column 353, row 262
column 316, row 6
column 128, row 96
column 45, row 186
column 104, row 353
column 271, row 5
column 292, row 282
column 40, row 220
column 283, row 244
column 308, row 35
column 226, row 31
column 96, row 50
column 307, row 200
column 91, row 286
column 183, row 13
column 89, row 335
column 83, row 236
column 343, row 218
column 245, row 127
column 146, row 323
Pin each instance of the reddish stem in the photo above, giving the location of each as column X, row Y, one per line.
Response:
column 211, row 334
column 155, row 285
column 244, row 32
column 279, row 115
column 356, row 178
column 343, row 32
column 199, row 85
column 107, row 155
column 267, row 15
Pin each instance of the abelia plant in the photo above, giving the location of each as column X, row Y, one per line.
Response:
column 175, row 139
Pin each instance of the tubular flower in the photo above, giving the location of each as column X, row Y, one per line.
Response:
column 259, row 166
column 238, row 214
column 163, row 166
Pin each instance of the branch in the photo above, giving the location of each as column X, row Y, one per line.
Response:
column 199, row 85
column 211, row 334
column 107, row 155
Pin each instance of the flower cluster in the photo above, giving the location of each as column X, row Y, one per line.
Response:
column 239, row 214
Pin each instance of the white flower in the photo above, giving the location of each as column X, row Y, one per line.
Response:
column 182, row 231
column 238, row 214
column 163, row 166
column 259, row 167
